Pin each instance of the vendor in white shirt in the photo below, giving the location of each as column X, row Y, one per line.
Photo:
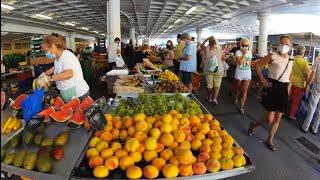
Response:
column 114, row 52
column 66, row 72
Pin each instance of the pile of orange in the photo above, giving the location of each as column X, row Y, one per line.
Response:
column 167, row 143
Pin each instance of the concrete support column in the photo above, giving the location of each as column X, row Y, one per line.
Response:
column 71, row 41
column 114, row 20
column 133, row 35
column 199, row 32
column 263, row 34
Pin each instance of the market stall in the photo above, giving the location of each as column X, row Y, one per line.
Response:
column 157, row 132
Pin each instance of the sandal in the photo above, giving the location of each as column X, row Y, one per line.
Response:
column 241, row 110
column 250, row 130
column 271, row 147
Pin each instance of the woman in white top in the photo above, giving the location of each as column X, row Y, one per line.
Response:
column 243, row 72
column 276, row 87
column 213, row 68
column 66, row 72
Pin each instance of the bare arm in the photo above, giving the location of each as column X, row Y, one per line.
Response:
column 186, row 58
column 264, row 61
column 50, row 71
column 65, row 75
column 149, row 64
column 240, row 59
column 203, row 47
column 310, row 79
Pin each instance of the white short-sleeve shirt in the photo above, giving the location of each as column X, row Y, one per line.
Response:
column 67, row 61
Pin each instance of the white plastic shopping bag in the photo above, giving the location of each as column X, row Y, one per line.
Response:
column 119, row 61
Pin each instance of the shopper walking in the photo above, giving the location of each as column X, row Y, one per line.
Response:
column 177, row 54
column 299, row 76
column 243, row 73
column 188, row 61
column 275, row 93
column 314, row 99
column 213, row 68
column 168, row 60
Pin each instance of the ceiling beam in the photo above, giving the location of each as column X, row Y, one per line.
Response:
column 147, row 26
column 135, row 11
column 155, row 25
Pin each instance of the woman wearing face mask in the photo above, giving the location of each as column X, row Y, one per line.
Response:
column 243, row 72
column 168, row 60
column 276, row 87
column 213, row 68
column 66, row 72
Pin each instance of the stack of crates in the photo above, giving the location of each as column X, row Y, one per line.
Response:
column 25, row 79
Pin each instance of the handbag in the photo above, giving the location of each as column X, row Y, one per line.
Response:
column 267, row 90
column 213, row 64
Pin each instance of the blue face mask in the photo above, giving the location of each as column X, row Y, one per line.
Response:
column 50, row 56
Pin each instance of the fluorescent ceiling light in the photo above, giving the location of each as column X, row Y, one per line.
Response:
column 84, row 28
column 7, row 7
column 178, row 20
column 70, row 24
column 170, row 27
column 44, row 16
column 191, row 10
column 103, row 34
column 165, row 30
column 96, row 32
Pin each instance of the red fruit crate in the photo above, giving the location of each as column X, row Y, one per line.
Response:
column 24, row 75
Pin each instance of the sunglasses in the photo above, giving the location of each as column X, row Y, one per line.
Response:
column 245, row 45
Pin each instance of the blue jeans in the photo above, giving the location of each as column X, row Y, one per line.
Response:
column 313, row 110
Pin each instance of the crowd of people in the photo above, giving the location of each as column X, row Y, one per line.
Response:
column 287, row 80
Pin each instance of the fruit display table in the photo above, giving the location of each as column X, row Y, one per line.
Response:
column 78, row 138
column 138, row 145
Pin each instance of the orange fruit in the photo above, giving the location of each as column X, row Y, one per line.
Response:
column 158, row 163
column 125, row 162
column 106, row 136
column 115, row 146
column 95, row 161
column 111, row 163
column 170, row 171
column 150, row 172
column 134, row 172
column 120, row 153
column 185, row 156
column 141, row 125
column 166, row 139
column 105, row 153
column 185, row 170
column 92, row 152
column 100, row 171
column 166, row 154
column 149, row 155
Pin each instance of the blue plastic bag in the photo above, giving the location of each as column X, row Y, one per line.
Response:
column 33, row 104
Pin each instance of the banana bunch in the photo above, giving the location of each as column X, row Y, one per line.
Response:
column 12, row 124
column 168, row 75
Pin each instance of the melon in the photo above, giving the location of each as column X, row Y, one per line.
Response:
column 58, row 103
column 86, row 103
column 74, row 104
column 63, row 115
column 78, row 117
column 18, row 102
column 46, row 113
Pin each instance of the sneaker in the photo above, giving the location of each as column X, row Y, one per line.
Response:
column 305, row 131
column 314, row 133
column 215, row 102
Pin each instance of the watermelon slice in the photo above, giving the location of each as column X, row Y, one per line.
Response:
column 78, row 117
column 74, row 104
column 58, row 103
column 62, row 115
column 18, row 102
column 46, row 113
column 86, row 103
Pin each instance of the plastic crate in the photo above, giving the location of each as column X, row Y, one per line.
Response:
column 26, row 84
column 38, row 69
column 24, row 75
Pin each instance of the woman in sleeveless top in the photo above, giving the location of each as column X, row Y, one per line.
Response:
column 213, row 77
column 276, row 87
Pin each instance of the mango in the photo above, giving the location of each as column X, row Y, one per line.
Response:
column 8, row 158
column 29, row 161
column 18, row 159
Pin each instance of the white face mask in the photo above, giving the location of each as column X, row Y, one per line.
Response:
column 283, row 48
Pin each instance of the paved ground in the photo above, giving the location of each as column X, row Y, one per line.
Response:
column 291, row 161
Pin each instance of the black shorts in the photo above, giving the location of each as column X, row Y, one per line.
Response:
column 186, row 77
column 275, row 98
